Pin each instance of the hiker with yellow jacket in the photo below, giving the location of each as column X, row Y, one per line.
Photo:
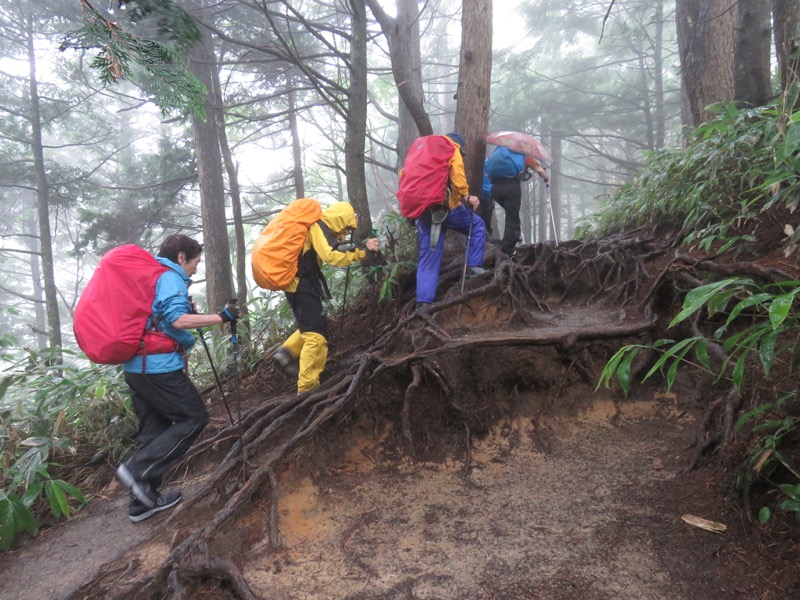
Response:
column 305, row 352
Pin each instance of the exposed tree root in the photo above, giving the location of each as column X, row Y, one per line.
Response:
column 513, row 306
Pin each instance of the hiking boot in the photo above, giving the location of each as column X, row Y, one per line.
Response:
column 287, row 362
column 140, row 490
column 423, row 308
column 475, row 271
column 138, row 511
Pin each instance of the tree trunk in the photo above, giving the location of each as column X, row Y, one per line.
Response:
column 474, row 82
column 297, row 153
column 356, row 130
column 705, row 43
column 402, row 37
column 43, row 202
column 555, row 186
column 751, row 52
column 786, row 21
column 658, row 75
column 216, row 244
column 236, row 197
column 40, row 325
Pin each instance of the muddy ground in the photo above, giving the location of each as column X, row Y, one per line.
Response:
column 582, row 499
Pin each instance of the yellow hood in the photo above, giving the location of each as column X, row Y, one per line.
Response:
column 340, row 217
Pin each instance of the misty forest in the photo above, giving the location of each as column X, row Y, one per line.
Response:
column 610, row 411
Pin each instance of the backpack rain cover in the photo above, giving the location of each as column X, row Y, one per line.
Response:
column 278, row 247
column 424, row 178
column 501, row 164
column 112, row 312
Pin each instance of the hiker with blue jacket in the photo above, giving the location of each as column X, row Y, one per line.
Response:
column 506, row 170
column 457, row 215
column 169, row 408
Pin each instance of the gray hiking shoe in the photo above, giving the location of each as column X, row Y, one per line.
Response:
column 140, row 490
column 423, row 308
column 475, row 271
column 139, row 511
column 287, row 362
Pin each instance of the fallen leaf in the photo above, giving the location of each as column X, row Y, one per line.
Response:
column 704, row 523
column 788, row 229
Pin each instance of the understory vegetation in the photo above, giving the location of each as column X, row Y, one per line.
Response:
column 733, row 192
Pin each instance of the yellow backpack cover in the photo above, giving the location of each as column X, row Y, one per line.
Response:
column 278, row 247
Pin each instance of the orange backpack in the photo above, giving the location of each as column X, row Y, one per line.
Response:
column 278, row 247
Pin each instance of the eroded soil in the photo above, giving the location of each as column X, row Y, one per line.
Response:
column 584, row 502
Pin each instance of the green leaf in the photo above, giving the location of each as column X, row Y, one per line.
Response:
column 764, row 515
column 790, row 506
column 623, row 372
column 793, row 491
column 70, row 489
column 701, row 352
column 8, row 525
column 746, row 303
column 766, row 351
column 669, row 354
column 717, row 300
column 779, row 309
column 697, row 297
column 738, row 372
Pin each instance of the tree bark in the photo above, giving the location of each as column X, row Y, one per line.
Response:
column 658, row 75
column 751, row 52
column 555, row 186
column 216, row 244
column 297, row 153
column 356, row 130
column 705, row 43
column 236, row 197
column 402, row 37
column 42, row 200
column 786, row 20
column 474, row 82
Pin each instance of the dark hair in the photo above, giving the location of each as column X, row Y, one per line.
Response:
column 177, row 243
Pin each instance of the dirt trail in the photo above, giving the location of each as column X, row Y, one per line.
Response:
column 586, row 505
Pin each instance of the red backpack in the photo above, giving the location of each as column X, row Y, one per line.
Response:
column 424, row 178
column 110, row 320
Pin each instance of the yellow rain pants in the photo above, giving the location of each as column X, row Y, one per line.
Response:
column 312, row 348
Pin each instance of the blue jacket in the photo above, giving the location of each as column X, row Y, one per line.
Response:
column 170, row 302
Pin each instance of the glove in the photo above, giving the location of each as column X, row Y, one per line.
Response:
column 229, row 313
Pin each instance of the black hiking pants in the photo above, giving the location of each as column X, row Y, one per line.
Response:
column 508, row 194
column 171, row 416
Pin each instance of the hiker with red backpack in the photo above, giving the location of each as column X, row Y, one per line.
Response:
column 170, row 410
column 433, row 191
column 288, row 257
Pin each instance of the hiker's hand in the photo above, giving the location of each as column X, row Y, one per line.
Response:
column 543, row 174
column 229, row 313
column 373, row 244
column 472, row 201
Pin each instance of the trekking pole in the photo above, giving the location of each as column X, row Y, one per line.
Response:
column 216, row 376
column 550, row 207
column 466, row 259
column 344, row 301
column 213, row 368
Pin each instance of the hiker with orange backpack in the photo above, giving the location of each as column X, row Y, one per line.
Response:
column 170, row 410
column 288, row 256
column 433, row 190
